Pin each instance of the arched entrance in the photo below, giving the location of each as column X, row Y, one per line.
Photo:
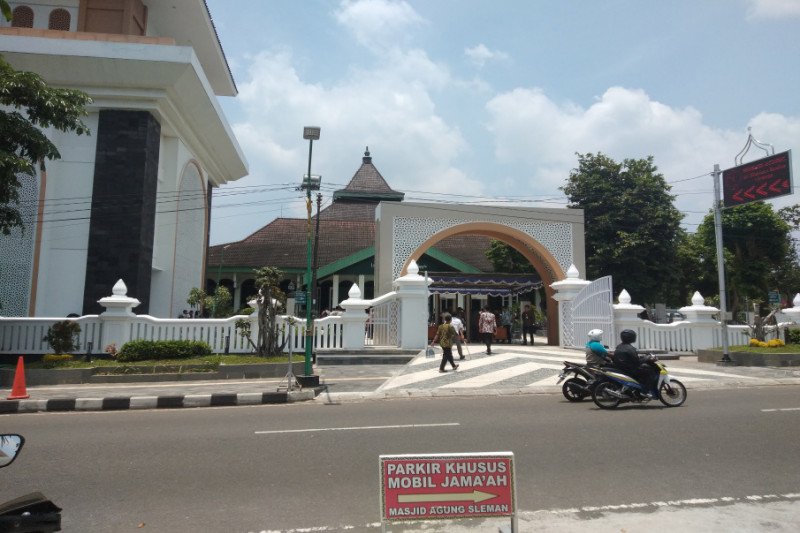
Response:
column 550, row 239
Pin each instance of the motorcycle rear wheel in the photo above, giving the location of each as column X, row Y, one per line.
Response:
column 602, row 398
column 672, row 394
column 572, row 389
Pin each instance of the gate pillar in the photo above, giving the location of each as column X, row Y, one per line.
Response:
column 412, row 289
column 565, row 292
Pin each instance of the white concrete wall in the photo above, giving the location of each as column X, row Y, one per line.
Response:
column 179, row 240
column 65, row 230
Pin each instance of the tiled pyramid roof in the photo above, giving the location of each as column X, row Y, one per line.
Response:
column 367, row 184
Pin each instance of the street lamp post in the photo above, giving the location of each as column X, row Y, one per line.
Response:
column 309, row 182
column 316, row 257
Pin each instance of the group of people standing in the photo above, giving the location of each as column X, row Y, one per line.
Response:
column 451, row 332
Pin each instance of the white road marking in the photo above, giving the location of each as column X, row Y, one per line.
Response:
column 784, row 409
column 356, row 428
column 498, row 375
column 432, row 373
column 671, row 503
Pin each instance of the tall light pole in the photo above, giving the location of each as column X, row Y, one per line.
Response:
column 316, row 258
column 312, row 134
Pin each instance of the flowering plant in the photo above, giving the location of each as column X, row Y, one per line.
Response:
column 111, row 349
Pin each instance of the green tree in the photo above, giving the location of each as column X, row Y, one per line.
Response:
column 221, row 302
column 270, row 299
column 30, row 106
column 218, row 304
column 632, row 226
column 506, row 258
column 758, row 252
column 197, row 299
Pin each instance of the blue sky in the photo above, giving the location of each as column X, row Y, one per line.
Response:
column 479, row 101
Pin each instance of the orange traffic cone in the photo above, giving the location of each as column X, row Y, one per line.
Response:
column 18, row 391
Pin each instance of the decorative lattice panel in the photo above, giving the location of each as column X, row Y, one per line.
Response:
column 410, row 232
column 16, row 252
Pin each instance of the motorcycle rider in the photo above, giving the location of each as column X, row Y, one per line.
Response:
column 627, row 359
column 596, row 353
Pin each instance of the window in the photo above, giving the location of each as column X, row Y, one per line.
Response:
column 59, row 20
column 22, row 17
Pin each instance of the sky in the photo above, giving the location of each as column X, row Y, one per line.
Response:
column 476, row 101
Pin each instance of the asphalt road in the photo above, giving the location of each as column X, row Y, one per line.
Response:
column 315, row 465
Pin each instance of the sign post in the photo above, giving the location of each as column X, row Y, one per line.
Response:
column 447, row 486
column 761, row 179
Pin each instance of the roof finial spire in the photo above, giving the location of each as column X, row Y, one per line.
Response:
column 367, row 158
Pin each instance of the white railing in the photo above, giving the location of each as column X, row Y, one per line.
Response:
column 688, row 337
column 26, row 335
column 21, row 336
column 675, row 337
column 328, row 333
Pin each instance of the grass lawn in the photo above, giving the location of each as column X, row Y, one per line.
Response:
column 789, row 348
column 209, row 362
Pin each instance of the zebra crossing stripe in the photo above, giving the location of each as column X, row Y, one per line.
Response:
column 490, row 378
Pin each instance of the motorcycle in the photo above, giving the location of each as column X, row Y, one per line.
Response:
column 578, row 387
column 32, row 513
column 614, row 387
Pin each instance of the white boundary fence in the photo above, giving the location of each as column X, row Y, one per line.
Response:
column 396, row 319
column 700, row 330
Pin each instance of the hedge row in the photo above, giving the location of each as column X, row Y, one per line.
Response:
column 793, row 336
column 153, row 350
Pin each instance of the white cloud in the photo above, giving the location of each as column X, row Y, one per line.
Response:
column 541, row 137
column 378, row 23
column 480, row 55
column 387, row 108
column 774, row 8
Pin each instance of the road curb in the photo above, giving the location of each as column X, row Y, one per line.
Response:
column 123, row 403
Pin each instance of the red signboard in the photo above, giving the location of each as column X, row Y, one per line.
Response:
column 758, row 180
column 429, row 487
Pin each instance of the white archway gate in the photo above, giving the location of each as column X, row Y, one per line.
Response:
column 551, row 239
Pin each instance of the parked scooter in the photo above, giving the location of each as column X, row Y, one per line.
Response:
column 613, row 387
column 582, row 382
column 32, row 513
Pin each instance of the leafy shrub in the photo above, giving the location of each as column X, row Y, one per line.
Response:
column 52, row 360
column 63, row 336
column 793, row 336
column 246, row 311
column 152, row 350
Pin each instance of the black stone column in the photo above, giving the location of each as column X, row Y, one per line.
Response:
column 123, row 207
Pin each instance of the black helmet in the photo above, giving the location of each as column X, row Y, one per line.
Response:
column 628, row 335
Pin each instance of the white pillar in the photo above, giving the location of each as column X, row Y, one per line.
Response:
column 412, row 290
column 117, row 316
column 566, row 290
column 335, row 299
column 354, row 319
column 704, row 324
column 361, row 282
column 793, row 312
column 625, row 313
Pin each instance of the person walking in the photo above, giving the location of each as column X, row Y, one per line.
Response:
column 487, row 325
column 528, row 324
column 505, row 321
column 458, row 339
column 445, row 335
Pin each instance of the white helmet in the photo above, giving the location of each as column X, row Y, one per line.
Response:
column 595, row 334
